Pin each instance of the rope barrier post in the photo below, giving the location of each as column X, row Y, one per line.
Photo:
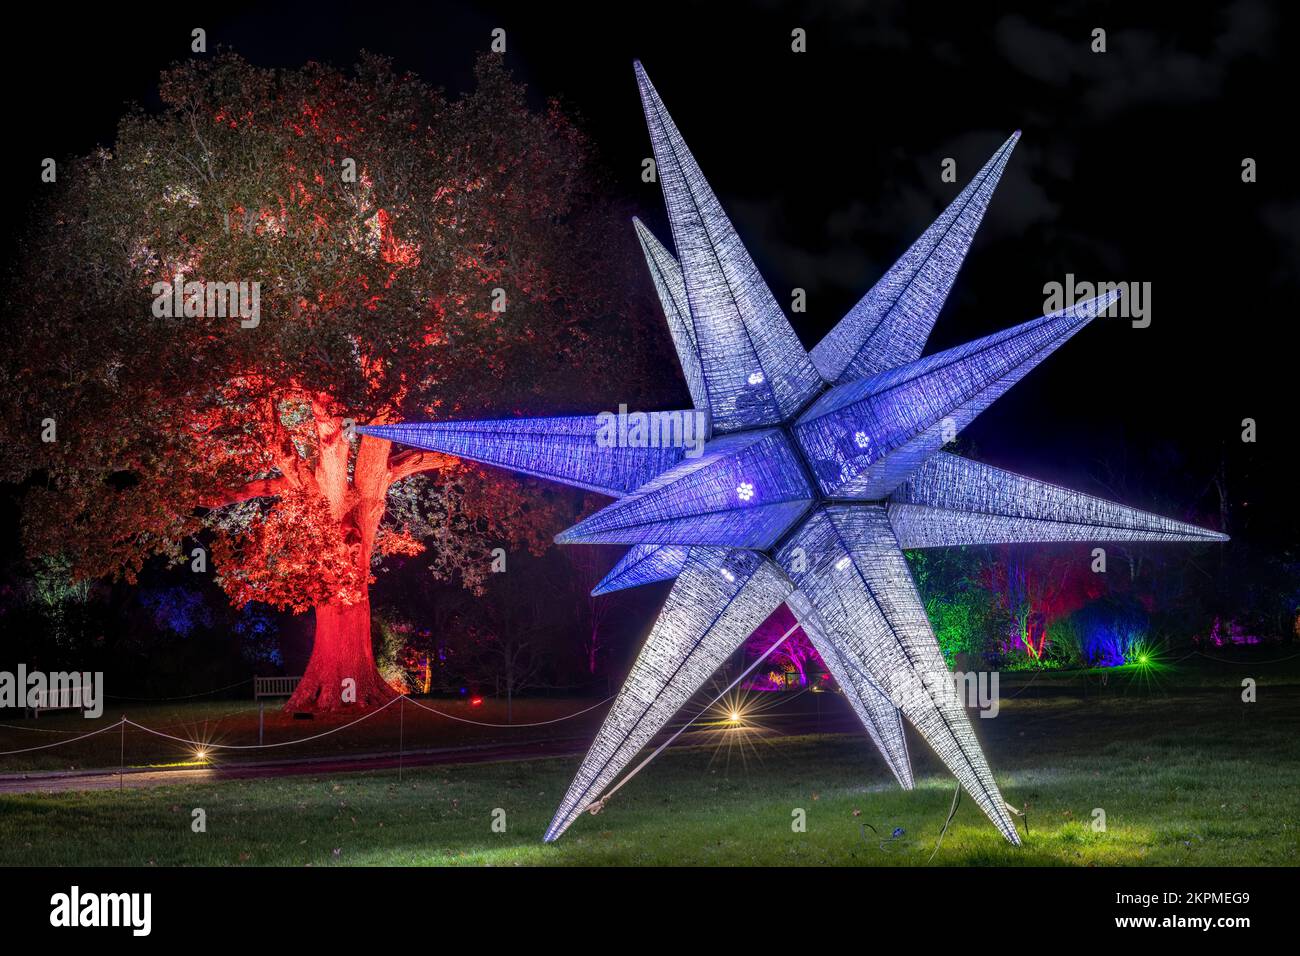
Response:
column 121, row 766
column 401, row 734
column 261, row 714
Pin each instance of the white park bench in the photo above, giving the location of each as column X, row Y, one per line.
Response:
column 274, row 686
column 65, row 698
column 264, row 687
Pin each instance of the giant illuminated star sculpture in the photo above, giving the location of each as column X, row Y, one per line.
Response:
column 819, row 470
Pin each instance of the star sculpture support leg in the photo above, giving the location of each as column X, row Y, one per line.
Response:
column 855, row 577
column 819, row 471
column 882, row 720
column 718, row 600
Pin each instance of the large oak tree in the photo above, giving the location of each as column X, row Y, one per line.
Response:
column 383, row 221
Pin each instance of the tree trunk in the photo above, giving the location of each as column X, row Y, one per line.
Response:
column 341, row 653
column 341, row 674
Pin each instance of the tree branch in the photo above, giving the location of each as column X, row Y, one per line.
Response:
column 260, row 488
column 295, row 470
column 412, row 462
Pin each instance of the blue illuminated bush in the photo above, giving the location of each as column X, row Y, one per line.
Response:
column 1106, row 630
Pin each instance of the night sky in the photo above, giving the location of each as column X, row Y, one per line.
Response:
column 1129, row 170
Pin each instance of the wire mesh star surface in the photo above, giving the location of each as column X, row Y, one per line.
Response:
column 819, row 469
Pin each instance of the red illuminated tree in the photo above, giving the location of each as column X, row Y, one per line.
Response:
column 416, row 256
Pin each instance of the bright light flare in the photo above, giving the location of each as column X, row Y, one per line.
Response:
column 1143, row 656
column 1145, row 665
column 202, row 740
column 738, row 724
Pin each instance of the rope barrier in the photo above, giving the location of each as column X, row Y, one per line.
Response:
column 199, row 743
column 211, row 718
column 283, row 743
column 60, row 743
column 38, row 730
column 482, row 723
column 595, row 807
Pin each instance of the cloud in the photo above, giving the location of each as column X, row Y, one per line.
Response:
column 1141, row 67
column 1281, row 220
column 864, row 235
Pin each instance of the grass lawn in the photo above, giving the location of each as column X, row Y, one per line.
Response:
column 1187, row 776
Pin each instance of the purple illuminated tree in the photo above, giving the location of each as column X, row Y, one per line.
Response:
column 796, row 656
